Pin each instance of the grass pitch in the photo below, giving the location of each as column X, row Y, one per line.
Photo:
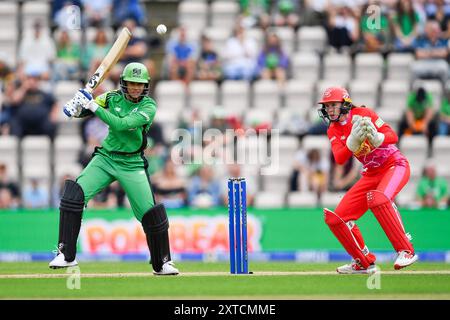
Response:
column 134, row 280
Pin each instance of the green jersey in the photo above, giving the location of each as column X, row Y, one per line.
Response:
column 128, row 121
column 437, row 187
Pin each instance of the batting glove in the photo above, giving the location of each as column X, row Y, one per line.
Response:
column 85, row 100
column 72, row 109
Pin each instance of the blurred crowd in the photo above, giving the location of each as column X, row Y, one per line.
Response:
column 49, row 53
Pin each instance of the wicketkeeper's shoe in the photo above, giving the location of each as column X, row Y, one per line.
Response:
column 356, row 268
column 60, row 262
column 404, row 259
column 168, row 269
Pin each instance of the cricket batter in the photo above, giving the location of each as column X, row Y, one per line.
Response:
column 128, row 112
column 358, row 131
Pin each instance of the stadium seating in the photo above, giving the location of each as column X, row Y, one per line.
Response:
column 337, row 67
column 193, row 14
column 67, row 149
column 415, row 150
column 381, row 82
column 299, row 94
column 302, row 200
column 9, row 155
column 235, row 96
column 369, row 66
column 312, row 38
column 266, row 95
column 203, row 96
column 223, row 13
column 441, row 155
column 269, row 200
column 399, row 66
column 305, row 66
column 35, row 10
column 364, row 92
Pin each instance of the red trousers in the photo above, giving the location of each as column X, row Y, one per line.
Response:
column 389, row 180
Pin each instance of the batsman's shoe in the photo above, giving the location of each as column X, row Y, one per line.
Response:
column 168, row 269
column 60, row 262
column 356, row 268
column 404, row 259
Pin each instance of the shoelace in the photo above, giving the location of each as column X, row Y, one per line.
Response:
column 56, row 252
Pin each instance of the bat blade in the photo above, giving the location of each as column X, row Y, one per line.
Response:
column 109, row 60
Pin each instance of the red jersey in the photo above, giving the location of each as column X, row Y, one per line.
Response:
column 375, row 161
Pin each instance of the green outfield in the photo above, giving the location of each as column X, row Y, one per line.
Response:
column 133, row 280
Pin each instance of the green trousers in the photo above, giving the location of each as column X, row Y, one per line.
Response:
column 129, row 171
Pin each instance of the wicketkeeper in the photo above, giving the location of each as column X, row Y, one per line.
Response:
column 360, row 132
column 128, row 112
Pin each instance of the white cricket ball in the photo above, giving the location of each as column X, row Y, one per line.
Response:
column 161, row 28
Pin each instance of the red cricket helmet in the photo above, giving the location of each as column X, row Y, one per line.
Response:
column 335, row 94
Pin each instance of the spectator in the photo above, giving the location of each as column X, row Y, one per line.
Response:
column 273, row 62
column 35, row 196
column 68, row 15
column 240, row 56
column 314, row 12
column 342, row 27
column 286, row 14
column 375, row 33
column 94, row 133
column 57, row 5
column 96, row 50
column 432, row 191
column 343, row 176
column 5, row 70
column 35, row 111
column 168, row 187
column 204, row 190
column 6, row 84
column 155, row 153
column 98, row 13
column 419, row 117
column 438, row 11
column 127, row 9
column 234, row 170
column 181, row 57
column 37, row 50
column 311, row 172
column 406, row 26
column 111, row 197
column 444, row 114
column 431, row 54
column 255, row 13
column 66, row 66
column 9, row 191
column 208, row 64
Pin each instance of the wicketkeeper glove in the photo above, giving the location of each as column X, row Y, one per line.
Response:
column 356, row 136
column 375, row 138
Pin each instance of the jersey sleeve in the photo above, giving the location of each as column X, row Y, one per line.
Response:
column 101, row 99
column 143, row 116
column 340, row 151
column 390, row 137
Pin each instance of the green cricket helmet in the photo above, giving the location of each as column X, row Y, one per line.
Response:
column 134, row 72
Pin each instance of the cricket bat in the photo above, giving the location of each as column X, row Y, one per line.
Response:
column 105, row 66
column 109, row 60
